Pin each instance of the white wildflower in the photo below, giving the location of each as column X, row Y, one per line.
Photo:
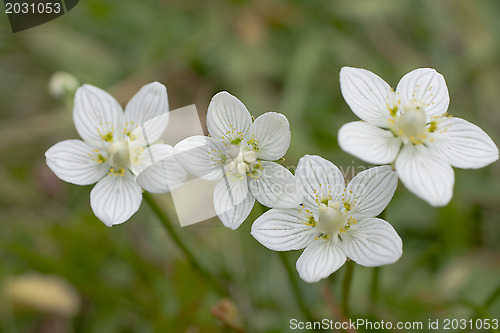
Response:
column 334, row 222
column 118, row 151
column 410, row 128
column 240, row 154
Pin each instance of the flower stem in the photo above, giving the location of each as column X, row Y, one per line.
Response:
column 374, row 285
column 222, row 291
column 294, row 283
column 492, row 298
column 346, row 286
column 374, row 288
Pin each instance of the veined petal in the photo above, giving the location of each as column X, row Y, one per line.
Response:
column 232, row 201
column 269, row 135
column 369, row 143
column 142, row 143
column 426, row 86
column 74, row 161
column 368, row 96
column 149, row 132
column 227, row 118
column 372, row 242
column 149, row 102
column 370, row 191
column 165, row 174
column 97, row 115
column 202, row 156
column 283, row 230
column 274, row 186
column 319, row 180
column 426, row 174
column 115, row 199
column 320, row 259
column 463, row 144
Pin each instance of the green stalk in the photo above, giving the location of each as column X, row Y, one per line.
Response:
column 374, row 285
column 346, row 286
column 492, row 298
column 222, row 291
column 294, row 284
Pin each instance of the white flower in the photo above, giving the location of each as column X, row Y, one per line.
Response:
column 116, row 151
column 62, row 84
column 334, row 222
column 411, row 128
column 239, row 153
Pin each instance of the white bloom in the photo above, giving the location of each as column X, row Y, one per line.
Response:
column 62, row 84
column 334, row 222
column 240, row 154
column 116, row 151
column 410, row 127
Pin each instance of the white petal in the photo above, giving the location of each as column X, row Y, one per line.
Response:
column 150, row 101
column 148, row 132
column 96, row 113
column 227, row 118
column 319, row 180
column 320, row 259
column 232, row 201
column 141, row 141
column 368, row 96
column 283, row 230
column 369, row 143
column 270, row 133
column 74, row 161
column 427, row 175
column 165, row 175
column 464, row 144
column 274, row 186
column 115, row 199
column 370, row 191
column 426, row 86
column 372, row 242
column 201, row 156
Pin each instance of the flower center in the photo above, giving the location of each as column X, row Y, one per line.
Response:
column 331, row 219
column 241, row 159
column 119, row 155
column 411, row 124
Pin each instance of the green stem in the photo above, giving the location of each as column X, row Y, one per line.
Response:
column 374, row 284
column 346, row 286
column 492, row 298
column 222, row 291
column 294, row 283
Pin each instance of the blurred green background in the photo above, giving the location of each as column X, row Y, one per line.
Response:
column 275, row 55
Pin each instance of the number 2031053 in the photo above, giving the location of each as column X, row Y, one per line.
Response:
column 462, row 324
column 33, row 8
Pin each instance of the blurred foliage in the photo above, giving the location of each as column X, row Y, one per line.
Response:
column 274, row 55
